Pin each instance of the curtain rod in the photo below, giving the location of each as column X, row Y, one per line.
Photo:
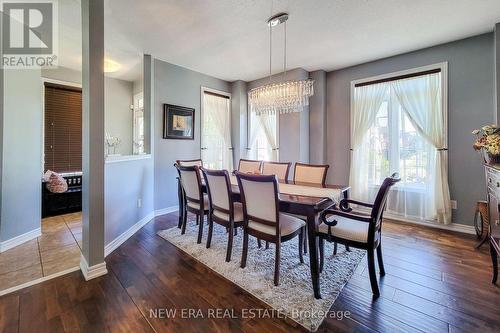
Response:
column 399, row 77
column 215, row 94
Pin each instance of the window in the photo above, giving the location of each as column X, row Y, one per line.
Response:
column 263, row 137
column 63, row 128
column 395, row 145
column 216, row 148
column 138, row 124
column 398, row 124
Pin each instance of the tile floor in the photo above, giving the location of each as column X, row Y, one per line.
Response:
column 56, row 250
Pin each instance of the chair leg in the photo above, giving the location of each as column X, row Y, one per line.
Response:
column 245, row 250
column 210, row 231
column 321, row 254
column 380, row 260
column 305, row 239
column 267, row 245
column 277, row 264
column 347, row 248
column 184, row 222
column 371, row 271
column 334, row 248
column 230, row 243
column 200, row 227
column 236, row 231
column 259, row 244
column 301, row 248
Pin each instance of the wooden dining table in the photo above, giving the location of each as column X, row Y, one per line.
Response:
column 308, row 206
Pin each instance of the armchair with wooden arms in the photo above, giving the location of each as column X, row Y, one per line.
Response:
column 355, row 229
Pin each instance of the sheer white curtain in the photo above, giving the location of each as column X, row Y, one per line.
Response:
column 268, row 123
column 255, row 128
column 218, row 119
column 367, row 101
column 420, row 98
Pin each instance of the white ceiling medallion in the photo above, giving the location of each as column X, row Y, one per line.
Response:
column 285, row 96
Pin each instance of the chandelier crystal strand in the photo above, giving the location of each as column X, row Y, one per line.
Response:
column 282, row 97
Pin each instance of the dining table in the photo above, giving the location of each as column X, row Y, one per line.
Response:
column 304, row 199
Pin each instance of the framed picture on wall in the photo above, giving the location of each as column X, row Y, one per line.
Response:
column 178, row 122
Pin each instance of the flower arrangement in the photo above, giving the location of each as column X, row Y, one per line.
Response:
column 488, row 141
column 112, row 142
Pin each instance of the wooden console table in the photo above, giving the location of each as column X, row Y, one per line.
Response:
column 493, row 183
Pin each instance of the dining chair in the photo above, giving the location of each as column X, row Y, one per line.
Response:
column 281, row 170
column 196, row 201
column 310, row 173
column 263, row 220
column 362, row 231
column 180, row 192
column 223, row 210
column 250, row 166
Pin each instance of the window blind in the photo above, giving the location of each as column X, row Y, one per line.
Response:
column 63, row 128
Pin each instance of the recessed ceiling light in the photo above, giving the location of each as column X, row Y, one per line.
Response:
column 111, row 66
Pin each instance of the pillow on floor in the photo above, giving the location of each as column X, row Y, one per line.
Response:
column 56, row 183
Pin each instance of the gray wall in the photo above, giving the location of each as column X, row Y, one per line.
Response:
column 317, row 119
column 496, row 40
column 239, row 102
column 293, row 127
column 63, row 74
column 179, row 86
column 471, row 104
column 22, row 153
column 118, row 96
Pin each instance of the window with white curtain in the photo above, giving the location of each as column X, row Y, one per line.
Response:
column 399, row 125
column 263, row 137
column 216, row 147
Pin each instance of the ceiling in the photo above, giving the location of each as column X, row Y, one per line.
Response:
column 229, row 39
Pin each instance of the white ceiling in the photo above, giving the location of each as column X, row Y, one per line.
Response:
column 229, row 39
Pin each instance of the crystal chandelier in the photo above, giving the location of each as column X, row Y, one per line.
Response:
column 282, row 97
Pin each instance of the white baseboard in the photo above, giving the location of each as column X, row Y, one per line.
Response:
column 18, row 240
column 94, row 271
column 167, row 210
column 37, row 281
column 462, row 228
column 115, row 243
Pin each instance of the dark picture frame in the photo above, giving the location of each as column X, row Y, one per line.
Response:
column 178, row 122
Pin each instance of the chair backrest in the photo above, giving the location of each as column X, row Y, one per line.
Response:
column 281, row 170
column 381, row 200
column 310, row 173
column 259, row 196
column 191, row 182
column 219, row 190
column 197, row 162
column 249, row 166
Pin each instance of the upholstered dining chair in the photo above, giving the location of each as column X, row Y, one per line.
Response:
column 310, row 173
column 358, row 230
column 196, row 201
column 180, row 191
column 263, row 220
column 250, row 166
column 223, row 210
column 281, row 170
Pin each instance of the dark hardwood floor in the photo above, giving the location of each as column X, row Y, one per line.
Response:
column 435, row 282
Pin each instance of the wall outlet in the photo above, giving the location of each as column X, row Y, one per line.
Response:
column 139, row 203
column 453, row 204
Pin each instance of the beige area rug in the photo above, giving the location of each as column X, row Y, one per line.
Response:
column 294, row 296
